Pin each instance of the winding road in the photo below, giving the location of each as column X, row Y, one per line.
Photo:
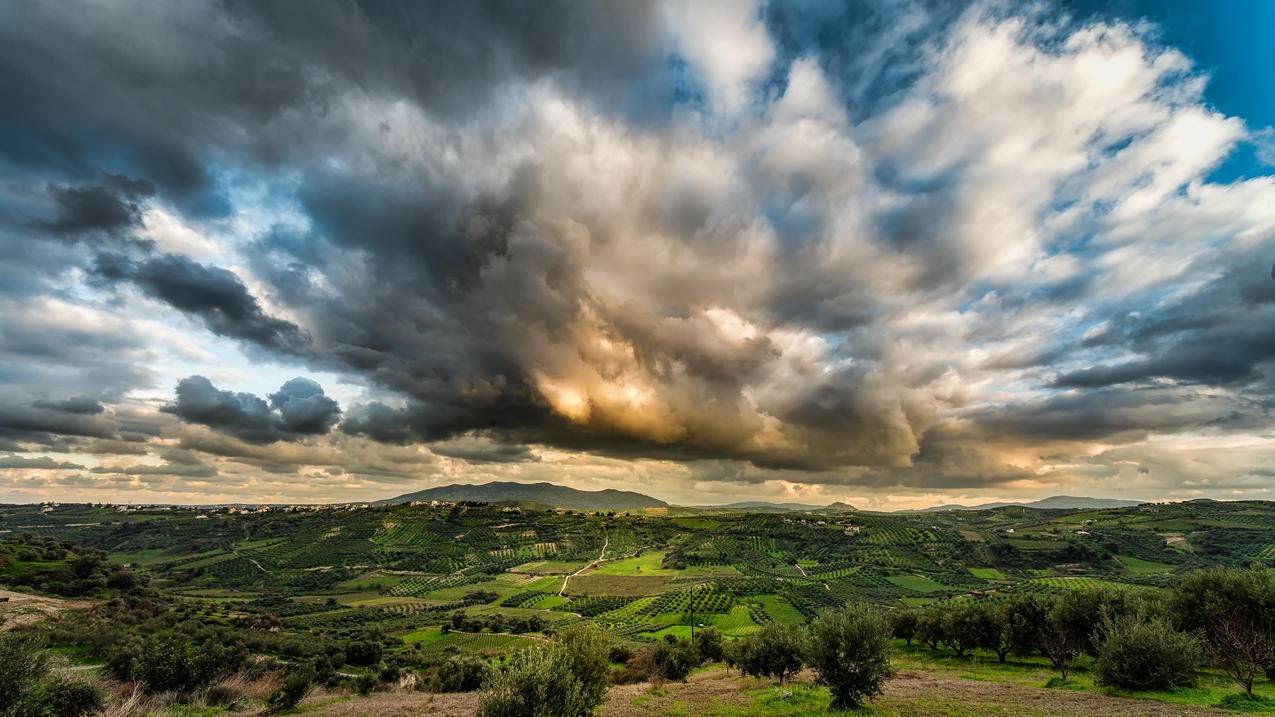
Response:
column 605, row 540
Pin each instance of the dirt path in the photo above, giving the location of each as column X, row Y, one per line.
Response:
column 606, row 539
column 23, row 608
column 910, row 694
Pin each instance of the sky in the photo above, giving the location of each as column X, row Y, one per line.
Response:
column 885, row 252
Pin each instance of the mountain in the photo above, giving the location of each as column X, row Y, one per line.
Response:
column 754, row 506
column 545, row 493
column 1056, row 502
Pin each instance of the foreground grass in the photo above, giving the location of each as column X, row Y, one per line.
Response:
column 1212, row 689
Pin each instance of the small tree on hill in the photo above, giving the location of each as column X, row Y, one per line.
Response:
column 850, row 651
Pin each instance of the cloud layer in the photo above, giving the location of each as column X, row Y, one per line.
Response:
column 692, row 247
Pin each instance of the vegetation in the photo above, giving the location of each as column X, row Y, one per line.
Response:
column 1145, row 600
column 29, row 687
column 850, row 652
column 566, row 679
column 1139, row 653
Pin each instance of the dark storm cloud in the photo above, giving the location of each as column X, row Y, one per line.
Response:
column 78, row 404
column 112, row 206
column 210, row 293
column 477, row 449
column 21, row 421
column 297, row 410
column 37, row 463
column 1217, row 335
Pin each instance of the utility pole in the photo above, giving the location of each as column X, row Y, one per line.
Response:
column 692, row 608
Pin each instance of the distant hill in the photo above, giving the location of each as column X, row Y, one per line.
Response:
column 765, row 507
column 1057, row 502
column 541, row 493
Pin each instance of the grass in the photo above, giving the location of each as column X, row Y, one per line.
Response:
column 1137, row 566
column 780, row 609
column 919, row 583
column 550, row 567
column 987, row 573
column 1212, row 689
column 599, row 584
column 432, row 638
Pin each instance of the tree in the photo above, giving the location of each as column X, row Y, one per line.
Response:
column 849, row 649
column 1145, row 653
column 775, row 651
column 964, row 626
column 668, row 661
column 461, row 673
column 1233, row 611
column 903, row 624
column 930, row 628
column 1058, row 639
column 708, row 644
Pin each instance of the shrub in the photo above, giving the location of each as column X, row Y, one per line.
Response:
column 65, row 696
column 775, row 651
column 850, row 652
column 365, row 683
column 295, row 685
column 363, row 652
column 29, row 688
column 172, row 664
column 461, row 673
column 1145, row 654
column 565, row 679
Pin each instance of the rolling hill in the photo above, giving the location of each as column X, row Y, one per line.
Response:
column 542, row 493
column 1056, row 502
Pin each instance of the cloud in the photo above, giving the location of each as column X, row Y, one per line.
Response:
column 211, row 293
column 298, row 409
column 77, row 404
column 111, row 207
column 895, row 249
column 35, row 463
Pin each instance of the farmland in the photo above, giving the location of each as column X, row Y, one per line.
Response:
column 405, row 569
column 425, row 582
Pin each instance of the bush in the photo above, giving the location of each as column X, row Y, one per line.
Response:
column 461, row 673
column 29, row 688
column 565, row 679
column 365, row 683
column 363, row 652
column 850, row 652
column 295, row 685
column 172, row 664
column 66, row 696
column 776, row 651
column 1145, row 654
